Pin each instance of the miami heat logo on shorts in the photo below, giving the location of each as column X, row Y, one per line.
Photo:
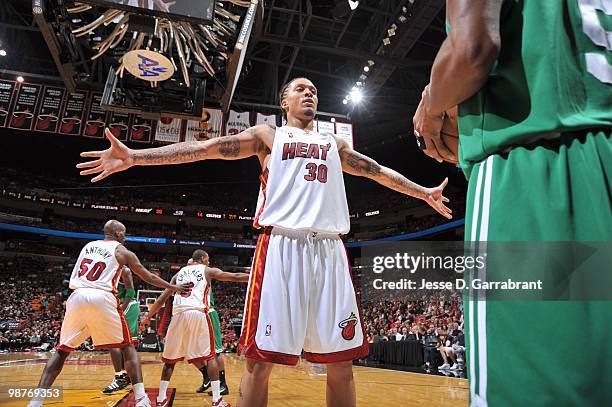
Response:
column 348, row 327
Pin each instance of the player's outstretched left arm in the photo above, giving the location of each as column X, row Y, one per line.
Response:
column 361, row 165
column 213, row 273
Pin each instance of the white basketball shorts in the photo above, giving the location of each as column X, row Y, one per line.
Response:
column 96, row 313
column 301, row 297
column 190, row 336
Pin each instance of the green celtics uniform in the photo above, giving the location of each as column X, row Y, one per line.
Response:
column 132, row 311
column 536, row 146
column 216, row 322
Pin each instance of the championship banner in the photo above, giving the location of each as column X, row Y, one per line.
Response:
column 141, row 130
column 119, row 124
column 72, row 116
column 168, row 130
column 23, row 111
column 237, row 122
column 7, row 89
column 195, row 131
column 263, row 119
column 210, row 126
column 326, row 127
column 345, row 131
column 47, row 119
column 96, row 117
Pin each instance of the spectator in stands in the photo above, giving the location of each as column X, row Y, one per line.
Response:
column 404, row 334
column 446, row 350
column 430, row 347
column 459, row 349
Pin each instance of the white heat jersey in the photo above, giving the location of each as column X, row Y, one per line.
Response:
column 198, row 297
column 97, row 267
column 303, row 186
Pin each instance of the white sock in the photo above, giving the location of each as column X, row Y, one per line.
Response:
column 163, row 387
column 216, row 389
column 139, row 390
column 117, row 374
column 37, row 401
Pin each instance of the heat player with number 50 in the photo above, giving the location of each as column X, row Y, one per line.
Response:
column 93, row 309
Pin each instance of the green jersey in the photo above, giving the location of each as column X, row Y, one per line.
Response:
column 211, row 302
column 121, row 291
column 553, row 74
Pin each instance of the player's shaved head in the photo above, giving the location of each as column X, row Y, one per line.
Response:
column 199, row 256
column 114, row 230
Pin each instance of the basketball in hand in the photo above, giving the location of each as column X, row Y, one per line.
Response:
column 450, row 132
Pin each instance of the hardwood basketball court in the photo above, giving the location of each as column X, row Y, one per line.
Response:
column 86, row 373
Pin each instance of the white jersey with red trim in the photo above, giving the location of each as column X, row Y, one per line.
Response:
column 303, row 186
column 198, row 296
column 97, row 267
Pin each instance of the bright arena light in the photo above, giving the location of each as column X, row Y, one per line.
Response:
column 356, row 95
column 366, row 69
column 344, row 101
column 20, row 79
column 2, row 53
column 353, row 4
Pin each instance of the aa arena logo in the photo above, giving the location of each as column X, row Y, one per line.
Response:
column 148, row 65
column 348, row 327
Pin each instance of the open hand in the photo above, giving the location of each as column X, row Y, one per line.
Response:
column 436, row 200
column 116, row 158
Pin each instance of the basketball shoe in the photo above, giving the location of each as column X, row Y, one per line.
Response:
column 118, row 383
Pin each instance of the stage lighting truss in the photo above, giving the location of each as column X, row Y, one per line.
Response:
column 80, row 34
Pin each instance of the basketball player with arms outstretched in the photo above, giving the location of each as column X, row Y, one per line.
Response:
column 190, row 331
column 93, row 309
column 533, row 81
column 300, row 294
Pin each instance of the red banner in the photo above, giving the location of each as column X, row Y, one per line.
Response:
column 72, row 115
column 7, row 90
column 96, row 117
column 48, row 116
column 141, row 130
column 119, row 124
column 25, row 106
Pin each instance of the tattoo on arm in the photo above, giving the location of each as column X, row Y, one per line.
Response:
column 229, row 146
column 173, row 154
column 362, row 165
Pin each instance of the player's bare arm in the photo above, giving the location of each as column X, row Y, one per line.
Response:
column 126, row 257
column 254, row 141
column 128, row 282
column 361, row 165
column 213, row 273
column 460, row 68
column 161, row 300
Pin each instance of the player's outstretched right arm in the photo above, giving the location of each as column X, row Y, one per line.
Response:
column 213, row 273
column 124, row 256
column 118, row 157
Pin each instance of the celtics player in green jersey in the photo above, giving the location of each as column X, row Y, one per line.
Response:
column 216, row 324
column 131, row 310
column 533, row 83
